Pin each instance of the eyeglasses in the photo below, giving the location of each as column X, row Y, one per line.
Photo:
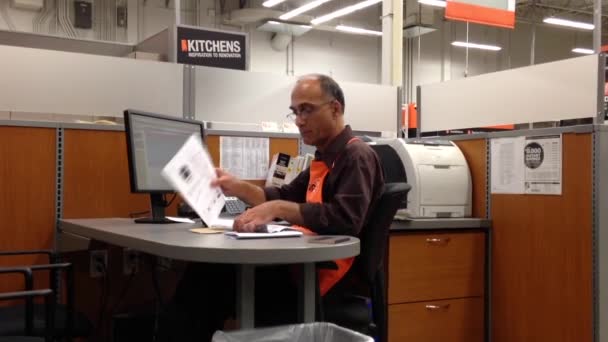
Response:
column 305, row 110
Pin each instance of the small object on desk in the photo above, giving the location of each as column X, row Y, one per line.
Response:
column 329, row 240
column 207, row 230
column 179, row 219
column 267, row 231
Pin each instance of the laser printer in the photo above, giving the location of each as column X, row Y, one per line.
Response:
column 436, row 170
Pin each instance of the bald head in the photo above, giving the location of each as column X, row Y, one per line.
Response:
column 327, row 85
column 318, row 103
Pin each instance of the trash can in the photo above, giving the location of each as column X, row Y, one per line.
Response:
column 309, row 332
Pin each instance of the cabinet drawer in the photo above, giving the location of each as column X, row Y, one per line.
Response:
column 425, row 266
column 453, row 320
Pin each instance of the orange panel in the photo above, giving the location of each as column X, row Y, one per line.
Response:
column 480, row 14
column 27, row 199
column 475, row 153
column 96, row 176
column 542, row 257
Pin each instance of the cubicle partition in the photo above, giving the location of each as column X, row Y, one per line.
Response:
column 27, row 196
column 567, row 89
column 56, row 82
column 223, row 95
column 548, row 250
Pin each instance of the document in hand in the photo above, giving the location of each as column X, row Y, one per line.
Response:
column 270, row 231
column 190, row 172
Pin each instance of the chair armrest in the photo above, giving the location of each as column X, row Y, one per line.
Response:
column 29, row 285
column 70, row 306
column 49, row 312
column 25, row 294
column 47, row 252
column 25, row 271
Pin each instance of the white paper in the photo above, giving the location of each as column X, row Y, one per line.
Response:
column 221, row 223
column 543, row 165
column 507, row 166
column 244, row 157
column 190, row 172
column 179, row 219
column 270, row 126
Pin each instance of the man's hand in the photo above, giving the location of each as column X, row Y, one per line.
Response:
column 256, row 216
column 229, row 184
column 232, row 186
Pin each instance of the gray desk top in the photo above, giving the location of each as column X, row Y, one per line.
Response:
column 445, row 223
column 175, row 241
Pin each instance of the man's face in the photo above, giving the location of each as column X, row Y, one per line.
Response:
column 316, row 113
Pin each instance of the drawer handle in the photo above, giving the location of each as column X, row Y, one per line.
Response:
column 432, row 307
column 437, row 241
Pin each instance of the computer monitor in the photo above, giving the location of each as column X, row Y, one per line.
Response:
column 152, row 140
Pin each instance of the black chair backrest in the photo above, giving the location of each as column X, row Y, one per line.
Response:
column 374, row 236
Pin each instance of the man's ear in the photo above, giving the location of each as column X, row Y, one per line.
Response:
column 336, row 109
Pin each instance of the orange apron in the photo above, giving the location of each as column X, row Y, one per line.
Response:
column 314, row 194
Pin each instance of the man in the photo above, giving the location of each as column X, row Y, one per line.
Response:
column 334, row 196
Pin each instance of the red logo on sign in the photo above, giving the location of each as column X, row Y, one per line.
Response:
column 184, row 45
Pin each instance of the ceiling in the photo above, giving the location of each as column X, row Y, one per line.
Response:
column 529, row 11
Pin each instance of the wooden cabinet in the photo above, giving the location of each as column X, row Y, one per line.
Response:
column 436, row 286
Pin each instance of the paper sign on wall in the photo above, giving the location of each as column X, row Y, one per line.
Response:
column 543, row 165
column 526, row 165
column 507, row 166
column 246, row 158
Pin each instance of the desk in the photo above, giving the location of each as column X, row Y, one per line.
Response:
column 439, row 275
column 176, row 242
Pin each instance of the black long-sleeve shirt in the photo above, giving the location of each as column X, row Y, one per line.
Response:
column 350, row 190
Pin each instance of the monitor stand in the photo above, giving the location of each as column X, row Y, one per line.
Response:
column 157, row 206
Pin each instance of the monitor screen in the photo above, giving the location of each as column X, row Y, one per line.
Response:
column 152, row 140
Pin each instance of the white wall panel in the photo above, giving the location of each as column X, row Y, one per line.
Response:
column 224, row 95
column 566, row 89
column 45, row 81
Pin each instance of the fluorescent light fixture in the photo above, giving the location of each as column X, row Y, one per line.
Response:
column 302, row 9
column 477, row 46
column 436, row 3
column 344, row 11
column 270, row 3
column 357, row 30
column 583, row 51
column 569, row 23
column 272, row 22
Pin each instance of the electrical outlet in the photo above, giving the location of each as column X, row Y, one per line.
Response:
column 98, row 263
column 130, row 261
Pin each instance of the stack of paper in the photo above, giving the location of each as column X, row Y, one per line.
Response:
column 272, row 231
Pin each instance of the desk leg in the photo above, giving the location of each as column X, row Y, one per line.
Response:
column 308, row 294
column 245, row 296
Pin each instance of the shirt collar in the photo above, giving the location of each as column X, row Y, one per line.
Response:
column 335, row 147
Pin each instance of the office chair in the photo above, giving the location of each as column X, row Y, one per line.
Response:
column 358, row 301
column 28, row 295
column 67, row 323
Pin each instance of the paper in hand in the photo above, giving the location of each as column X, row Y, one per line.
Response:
column 190, row 172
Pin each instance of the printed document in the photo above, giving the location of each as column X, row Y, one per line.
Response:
column 267, row 231
column 190, row 172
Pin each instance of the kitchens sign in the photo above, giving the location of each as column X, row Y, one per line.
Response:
column 211, row 48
